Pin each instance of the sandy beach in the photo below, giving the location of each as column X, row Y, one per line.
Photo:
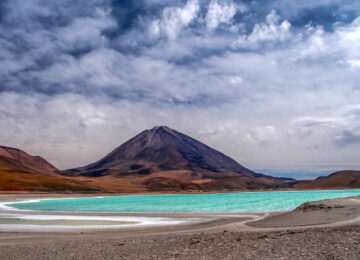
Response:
column 327, row 229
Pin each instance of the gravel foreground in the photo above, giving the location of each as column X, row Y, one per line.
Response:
column 314, row 243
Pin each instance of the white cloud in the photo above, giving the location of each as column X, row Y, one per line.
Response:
column 313, row 120
column 103, row 11
column 219, row 11
column 235, row 80
column 97, row 69
column 341, row 46
column 174, row 19
column 262, row 134
column 84, row 33
column 271, row 31
column 354, row 63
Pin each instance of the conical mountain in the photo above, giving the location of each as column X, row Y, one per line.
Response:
column 163, row 149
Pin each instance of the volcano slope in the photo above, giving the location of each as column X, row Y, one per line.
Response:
column 163, row 159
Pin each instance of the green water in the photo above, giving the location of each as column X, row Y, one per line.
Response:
column 223, row 202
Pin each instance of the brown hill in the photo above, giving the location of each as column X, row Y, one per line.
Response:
column 337, row 180
column 20, row 171
column 16, row 159
column 164, row 159
column 13, row 180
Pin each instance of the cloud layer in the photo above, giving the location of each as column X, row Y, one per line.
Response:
column 275, row 88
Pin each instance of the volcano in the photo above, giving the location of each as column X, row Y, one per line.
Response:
column 163, row 149
column 164, row 159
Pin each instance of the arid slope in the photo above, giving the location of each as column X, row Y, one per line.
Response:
column 337, row 180
column 20, row 171
column 13, row 180
column 16, row 159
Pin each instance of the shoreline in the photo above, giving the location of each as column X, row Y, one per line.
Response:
column 189, row 218
column 226, row 236
column 148, row 193
column 7, row 199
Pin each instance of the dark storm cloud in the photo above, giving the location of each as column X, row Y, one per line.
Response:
column 348, row 138
column 301, row 13
column 39, row 35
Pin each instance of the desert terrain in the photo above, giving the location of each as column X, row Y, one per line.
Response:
column 327, row 229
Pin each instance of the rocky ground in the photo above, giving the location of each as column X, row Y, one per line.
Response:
column 315, row 243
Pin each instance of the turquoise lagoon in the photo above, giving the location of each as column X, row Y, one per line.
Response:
column 222, row 202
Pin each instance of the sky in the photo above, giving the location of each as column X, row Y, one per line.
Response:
column 274, row 84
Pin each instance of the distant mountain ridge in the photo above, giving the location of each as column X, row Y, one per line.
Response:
column 20, row 171
column 341, row 179
column 17, row 159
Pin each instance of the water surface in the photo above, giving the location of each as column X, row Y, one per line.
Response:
column 222, row 202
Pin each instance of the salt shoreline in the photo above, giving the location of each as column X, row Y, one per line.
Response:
column 36, row 220
column 334, row 235
column 148, row 219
